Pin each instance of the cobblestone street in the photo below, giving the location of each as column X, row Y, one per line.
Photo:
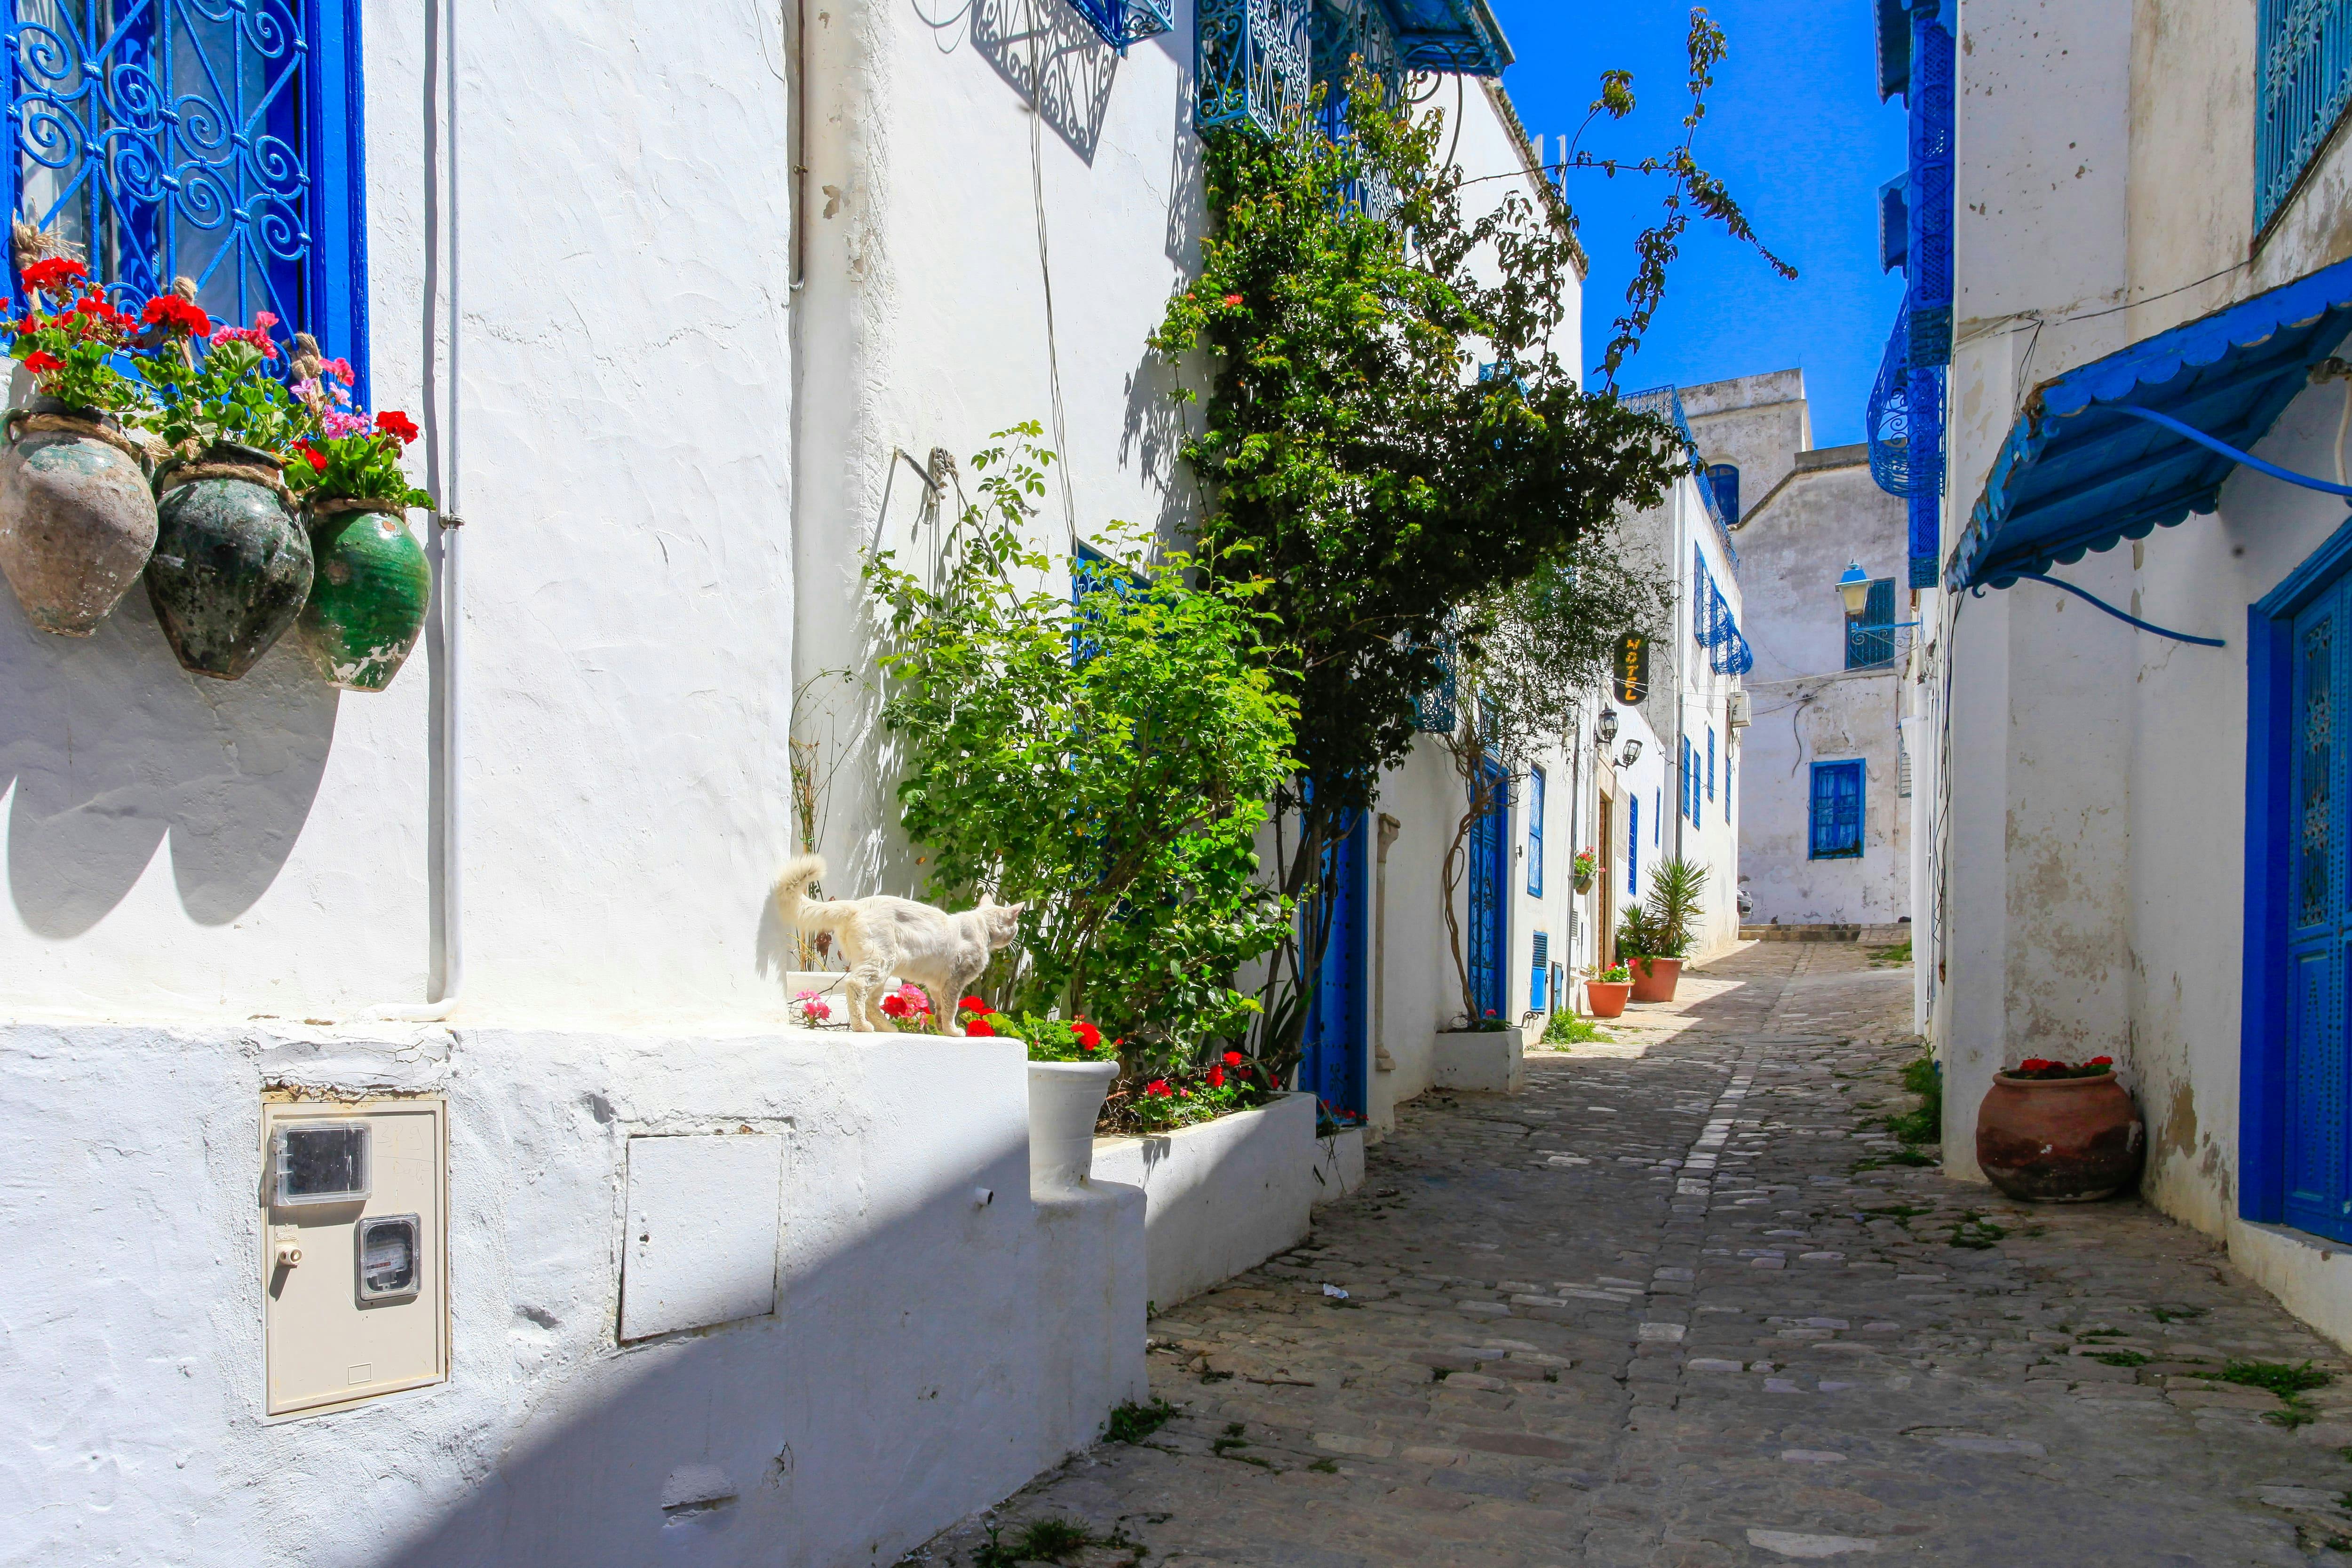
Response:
column 1680, row 1303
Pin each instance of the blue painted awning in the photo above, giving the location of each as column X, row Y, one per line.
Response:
column 1449, row 36
column 2076, row 474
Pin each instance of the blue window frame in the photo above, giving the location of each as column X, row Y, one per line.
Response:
column 1535, row 835
column 167, row 142
column 1725, row 478
column 1835, row 829
column 2303, row 80
column 1710, row 762
column 1870, row 636
column 1632, row 845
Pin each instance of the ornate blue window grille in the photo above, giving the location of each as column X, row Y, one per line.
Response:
column 1888, row 424
column 1870, row 636
column 1122, row 22
column 1732, row 656
column 1433, row 711
column 2303, row 71
column 214, row 139
column 1666, row 403
column 1251, row 59
column 1928, row 207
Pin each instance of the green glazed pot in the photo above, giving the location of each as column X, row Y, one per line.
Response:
column 368, row 597
column 231, row 566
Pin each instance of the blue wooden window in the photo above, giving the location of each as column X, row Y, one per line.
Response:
column 1835, row 829
column 2303, row 71
column 1632, row 844
column 1535, row 832
column 1870, row 636
column 1537, row 993
column 169, row 141
column 1725, row 478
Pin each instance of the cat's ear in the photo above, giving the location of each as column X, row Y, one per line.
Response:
column 986, row 901
column 1014, row 909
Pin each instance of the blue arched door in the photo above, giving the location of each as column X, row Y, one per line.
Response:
column 1490, row 912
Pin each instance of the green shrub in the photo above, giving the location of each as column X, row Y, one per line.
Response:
column 1566, row 1027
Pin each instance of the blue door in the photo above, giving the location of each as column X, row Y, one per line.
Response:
column 1333, row 1065
column 2318, row 923
column 1490, row 882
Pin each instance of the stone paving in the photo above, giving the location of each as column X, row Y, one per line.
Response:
column 1677, row 1304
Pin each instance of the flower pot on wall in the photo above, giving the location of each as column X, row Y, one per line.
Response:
column 77, row 519
column 1066, row 1100
column 1582, row 883
column 2062, row 1140
column 369, row 590
column 1654, row 978
column 232, row 566
column 1606, row 998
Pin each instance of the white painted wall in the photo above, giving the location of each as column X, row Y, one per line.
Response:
column 956, row 1347
column 180, row 848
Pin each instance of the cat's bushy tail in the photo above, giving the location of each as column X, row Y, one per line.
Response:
column 792, row 902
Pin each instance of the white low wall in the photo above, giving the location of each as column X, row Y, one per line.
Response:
column 1487, row 1062
column 1339, row 1164
column 928, row 1354
column 1221, row 1196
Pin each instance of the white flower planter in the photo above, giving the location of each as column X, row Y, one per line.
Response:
column 1221, row 1197
column 1064, row 1098
column 1488, row 1061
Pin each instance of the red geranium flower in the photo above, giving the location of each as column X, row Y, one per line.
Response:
column 893, row 1006
column 316, row 460
column 1232, row 1059
column 391, row 422
column 1216, row 1077
column 2100, row 1062
column 979, row 1028
column 1232, row 300
column 1157, row 1089
column 55, row 270
column 2034, row 1064
column 975, row 1004
column 1088, row 1035
column 41, row 362
column 175, row 313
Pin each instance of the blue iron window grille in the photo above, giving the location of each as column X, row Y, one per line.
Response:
column 1887, row 425
column 2302, row 67
column 1666, row 403
column 1835, row 831
column 1538, row 997
column 1490, row 863
column 1725, row 478
column 1535, row 835
column 1434, row 710
column 1632, row 844
column 167, row 140
column 1870, row 636
column 1122, row 22
column 1894, row 222
column 1906, row 421
column 1251, row 59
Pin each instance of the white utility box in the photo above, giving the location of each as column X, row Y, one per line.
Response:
column 354, row 1254
column 705, row 1221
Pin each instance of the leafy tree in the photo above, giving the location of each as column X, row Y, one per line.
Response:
column 1542, row 644
column 1105, row 758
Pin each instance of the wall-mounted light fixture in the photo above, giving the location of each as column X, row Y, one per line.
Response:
column 1605, row 726
column 1631, row 753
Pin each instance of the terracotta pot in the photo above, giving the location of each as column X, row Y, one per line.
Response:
column 2059, row 1140
column 1065, row 1098
column 77, row 519
column 368, row 591
column 1607, row 998
column 232, row 566
column 1654, row 978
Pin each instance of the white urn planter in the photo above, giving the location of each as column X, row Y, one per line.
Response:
column 1485, row 1061
column 1064, row 1099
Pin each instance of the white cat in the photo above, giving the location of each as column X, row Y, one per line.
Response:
column 944, row 954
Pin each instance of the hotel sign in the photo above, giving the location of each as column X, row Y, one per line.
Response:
column 1632, row 668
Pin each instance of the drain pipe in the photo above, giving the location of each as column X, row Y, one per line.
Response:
column 448, row 670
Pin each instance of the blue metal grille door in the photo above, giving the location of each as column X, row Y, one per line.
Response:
column 214, row 140
column 1490, row 865
column 2319, row 926
column 1333, row 1067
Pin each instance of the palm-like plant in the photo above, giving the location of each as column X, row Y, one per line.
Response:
column 1663, row 926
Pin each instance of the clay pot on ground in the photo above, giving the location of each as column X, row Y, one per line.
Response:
column 2059, row 1140
column 1606, row 998
column 369, row 590
column 232, row 564
column 1065, row 1099
column 77, row 519
column 1654, row 978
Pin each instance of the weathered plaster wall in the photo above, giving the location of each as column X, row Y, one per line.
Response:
column 1758, row 423
column 1809, row 707
column 176, row 847
column 953, row 1347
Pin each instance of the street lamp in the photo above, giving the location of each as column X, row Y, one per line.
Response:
column 1632, row 751
column 1855, row 588
column 1605, row 726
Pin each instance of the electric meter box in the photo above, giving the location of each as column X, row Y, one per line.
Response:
column 354, row 1255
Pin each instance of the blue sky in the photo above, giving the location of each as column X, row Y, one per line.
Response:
column 1795, row 128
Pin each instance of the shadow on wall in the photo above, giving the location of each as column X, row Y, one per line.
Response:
column 110, row 746
column 1045, row 52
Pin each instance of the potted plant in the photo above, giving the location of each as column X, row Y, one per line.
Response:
column 232, row 563
column 1586, row 867
column 2058, row 1132
column 1606, row 992
column 1070, row 1074
column 77, row 518
column 1655, row 936
column 371, row 584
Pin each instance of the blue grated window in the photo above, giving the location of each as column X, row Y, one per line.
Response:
column 2303, row 80
column 1251, row 60
column 1535, row 838
column 1123, row 22
column 168, row 141
column 1835, row 829
column 1870, row 636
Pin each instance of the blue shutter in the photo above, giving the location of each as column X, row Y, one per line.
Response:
column 1535, row 835
column 1727, row 783
column 1710, row 762
column 1632, row 844
column 1870, row 636
column 1835, row 831
column 168, row 142
column 1536, row 996
column 2318, row 1186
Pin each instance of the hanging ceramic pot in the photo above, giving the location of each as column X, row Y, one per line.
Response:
column 368, row 591
column 77, row 519
column 232, row 565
